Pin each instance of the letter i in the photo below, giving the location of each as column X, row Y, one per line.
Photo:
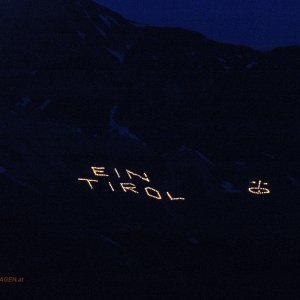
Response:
column 111, row 186
column 117, row 173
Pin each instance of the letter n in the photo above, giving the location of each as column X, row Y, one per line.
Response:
column 145, row 178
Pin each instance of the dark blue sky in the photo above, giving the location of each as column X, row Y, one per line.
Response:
column 258, row 23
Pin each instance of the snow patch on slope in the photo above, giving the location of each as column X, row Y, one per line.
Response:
column 81, row 34
column 108, row 20
column 227, row 68
column 269, row 155
column 203, row 157
column 102, row 32
column 89, row 17
column 33, row 72
column 110, row 241
column 129, row 46
column 117, row 54
column 24, row 102
column 251, row 65
column 225, row 64
column 199, row 154
column 229, row 187
column 121, row 130
column 44, row 105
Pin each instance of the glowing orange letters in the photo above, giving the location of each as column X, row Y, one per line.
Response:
column 128, row 186
column 88, row 181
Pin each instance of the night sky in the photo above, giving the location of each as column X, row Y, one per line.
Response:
column 261, row 24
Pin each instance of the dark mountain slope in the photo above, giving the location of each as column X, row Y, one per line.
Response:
column 80, row 86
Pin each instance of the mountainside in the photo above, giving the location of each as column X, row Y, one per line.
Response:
column 75, row 60
column 83, row 87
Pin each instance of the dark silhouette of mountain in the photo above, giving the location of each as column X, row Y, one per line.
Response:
column 81, row 86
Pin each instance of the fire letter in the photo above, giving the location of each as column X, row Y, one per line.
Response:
column 145, row 178
column 88, row 181
column 129, row 187
column 111, row 186
column 117, row 173
column 174, row 199
column 153, row 196
column 99, row 171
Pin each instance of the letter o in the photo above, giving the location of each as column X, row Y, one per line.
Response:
column 157, row 196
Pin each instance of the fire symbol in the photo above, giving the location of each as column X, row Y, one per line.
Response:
column 259, row 190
